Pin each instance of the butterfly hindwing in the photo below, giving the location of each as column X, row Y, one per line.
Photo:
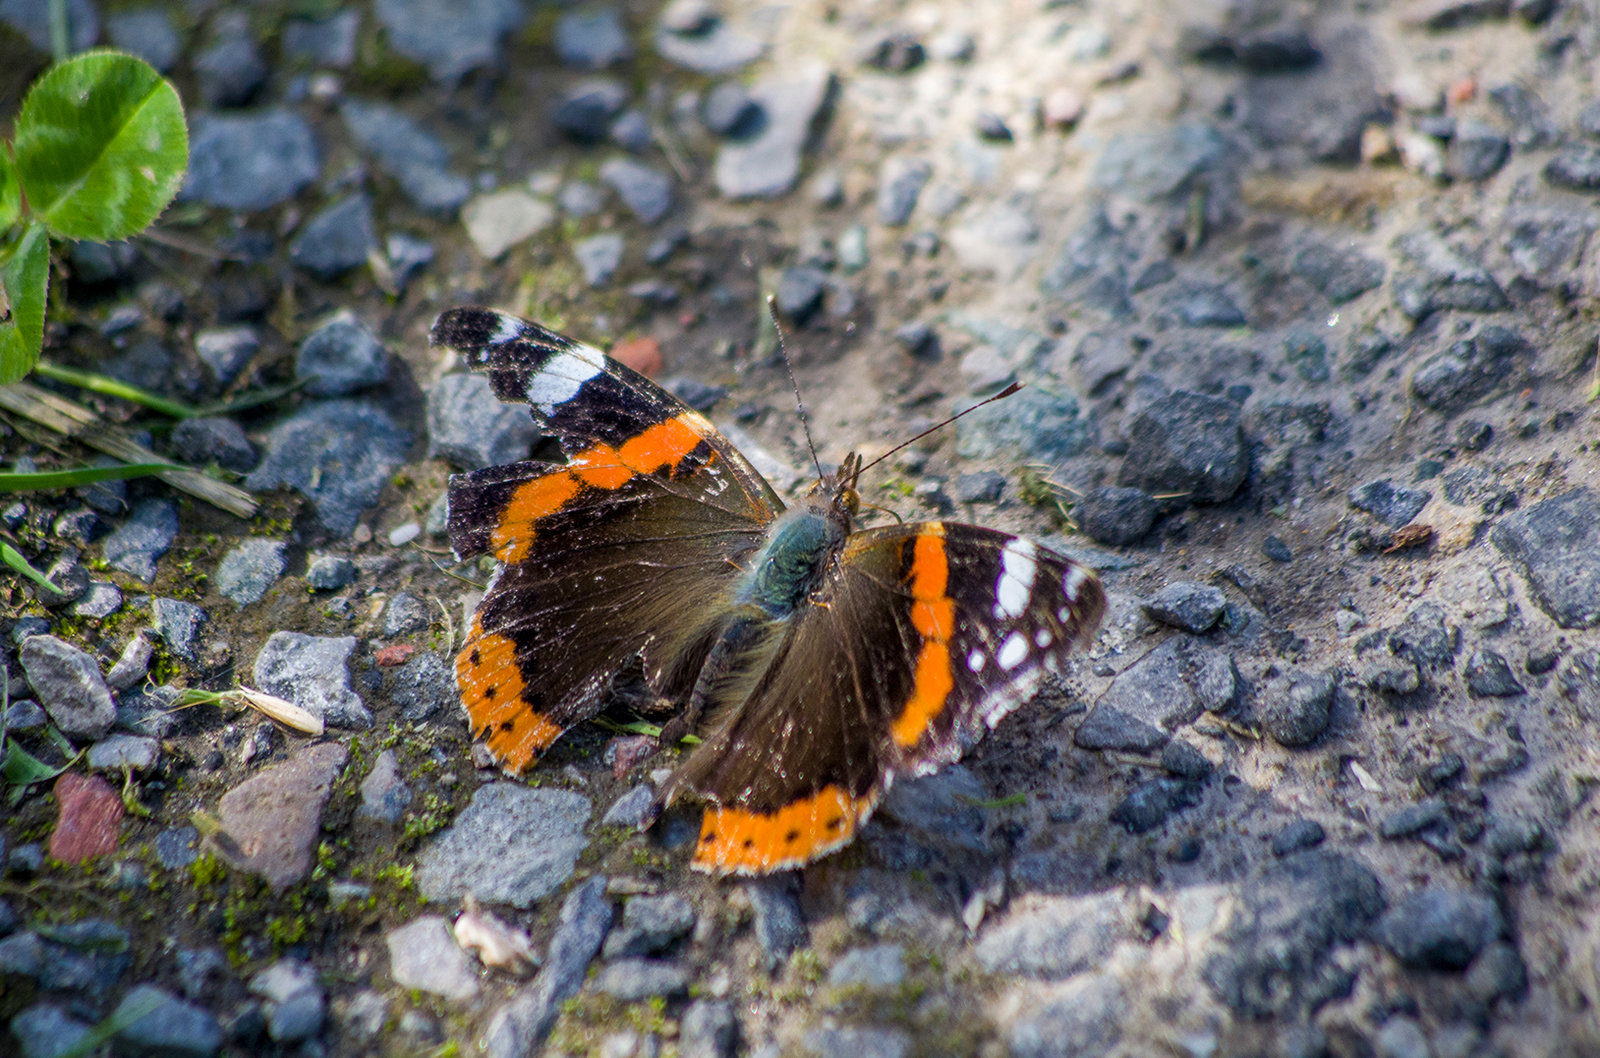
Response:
column 922, row 638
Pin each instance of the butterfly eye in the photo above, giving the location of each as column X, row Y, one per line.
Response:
column 851, row 500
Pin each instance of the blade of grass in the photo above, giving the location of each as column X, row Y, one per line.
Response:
column 113, row 388
column 14, row 558
column 252, row 399
column 67, row 479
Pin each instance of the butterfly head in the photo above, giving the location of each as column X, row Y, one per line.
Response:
column 838, row 489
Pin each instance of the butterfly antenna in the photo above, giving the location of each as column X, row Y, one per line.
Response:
column 1004, row 393
column 800, row 405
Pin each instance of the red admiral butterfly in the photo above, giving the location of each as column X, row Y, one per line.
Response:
column 826, row 659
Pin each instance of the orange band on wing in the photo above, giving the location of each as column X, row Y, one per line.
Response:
column 491, row 689
column 666, row 444
column 734, row 841
column 933, row 615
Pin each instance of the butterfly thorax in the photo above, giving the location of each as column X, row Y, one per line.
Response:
column 800, row 546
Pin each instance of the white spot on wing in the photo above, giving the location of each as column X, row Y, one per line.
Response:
column 1073, row 580
column 1017, row 568
column 510, row 330
column 560, row 379
column 975, row 661
column 1012, row 651
column 1041, row 638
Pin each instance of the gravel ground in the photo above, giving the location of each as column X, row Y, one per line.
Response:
column 1304, row 298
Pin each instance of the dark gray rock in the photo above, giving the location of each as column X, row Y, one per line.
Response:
column 330, row 573
column 632, row 131
column 692, row 35
column 148, row 710
column 404, row 615
column 1580, row 682
column 728, row 110
column 336, row 240
column 1306, row 352
column 1041, row 424
column 1275, row 549
column 250, row 161
column 586, row 111
column 1439, row 928
column 1153, row 802
column 340, row 357
column 327, row 42
column 881, row 966
column 632, row 980
column 519, row 1025
column 646, row 191
column 1412, row 820
column 148, row 33
column 1424, row 637
column 1301, row 834
column 230, row 70
column 1477, row 151
column 650, row 925
column 1187, row 443
column 175, row 849
column 177, row 624
column 1272, row 959
column 1546, row 244
column 632, row 809
column 1081, row 1019
column 512, row 845
column 799, row 292
column 423, row 686
column 1576, row 167
column 708, row 1029
column 900, row 183
column 1204, row 305
column 384, row 794
column 1298, row 715
column 45, row 1030
column 1393, row 505
column 985, row 486
column 88, row 956
column 1163, row 165
column 1497, row 972
column 592, row 39
column 766, row 163
column 1164, row 690
column 138, row 543
column 1194, row 607
column 251, row 568
column 1183, row 761
column 1468, row 370
column 470, row 429
column 1555, row 544
column 780, row 927
column 68, row 684
column 171, row 1028
column 296, row 1001
column 313, row 672
column 599, row 256
column 1115, row 515
column 449, row 37
column 1438, row 276
column 227, row 350
column 1053, row 938
column 31, row 18
column 827, row 1041
column 208, row 439
column 408, row 256
column 338, row 454
column 1489, row 675
column 413, row 156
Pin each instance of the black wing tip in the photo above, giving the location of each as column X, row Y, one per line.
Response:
column 465, row 327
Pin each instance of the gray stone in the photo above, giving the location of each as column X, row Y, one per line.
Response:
column 1297, row 716
column 708, row 1029
column 68, row 684
column 247, row 571
column 881, row 966
column 1204, row 305
column 1161, row 165
column 1041, row 424
column 586, row 111
column 727, row 109
column 942, row 806
column 1393, row 505
column 230, row 70
column 88, row 956
column 631, row 809
column 46, row 1030
column 1575, row 167
column 1340, row 273
column 340, row 357
column 1545, row 244
column 176, row 849
column 330, row 573
column 1301, row 834
column 519, row 1026
column 705, row 44
column 1115, row 515
column 177, row 624
column 499, row 220
column 1167, row 688
column 512, row 845
column 780, row 927
column 631, row 980
column 171, row 1027
column 149, row 711
column 767, row 163
column 650, row 925
column 1079, row 1019
column 116, row 752
column 1187, row 443
column 1440, row 928
column 423, row 686
column 900, row 182
column 416, row 158
column 423, row 955
column 1477, row 151
column 148, row 33
column 470, row 429
column 1194, row 607
column 985, row 486
column 328, row 42
column 336, row 240
column 338, row 454
column 140, row 541
column 449, row 37
column 99, row 601
column 1555, row 545
column 1488, row 675
column 592, row 40
column 1273, row 956
column 404, row 615
column 250, row 161
column 313, row 672
column 31, row 18
column 599, row 256
column 646, row 191
column 1151, row 803
column 384, row 794
column 1497, row 972
column 799, row 293
column 827, row 1042
column 225, row 351
column 296, row 1002
column 1439, row 276
column 214, row 440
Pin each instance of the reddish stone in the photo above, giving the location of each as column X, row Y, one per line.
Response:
column 641, row 354
column 91, row 811
column 395, row 654
column 625, row 751
column 270, row 822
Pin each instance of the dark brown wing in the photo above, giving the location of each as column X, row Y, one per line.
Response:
column 923, row 637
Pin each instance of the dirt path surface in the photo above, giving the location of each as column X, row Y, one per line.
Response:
column 1304, row 299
